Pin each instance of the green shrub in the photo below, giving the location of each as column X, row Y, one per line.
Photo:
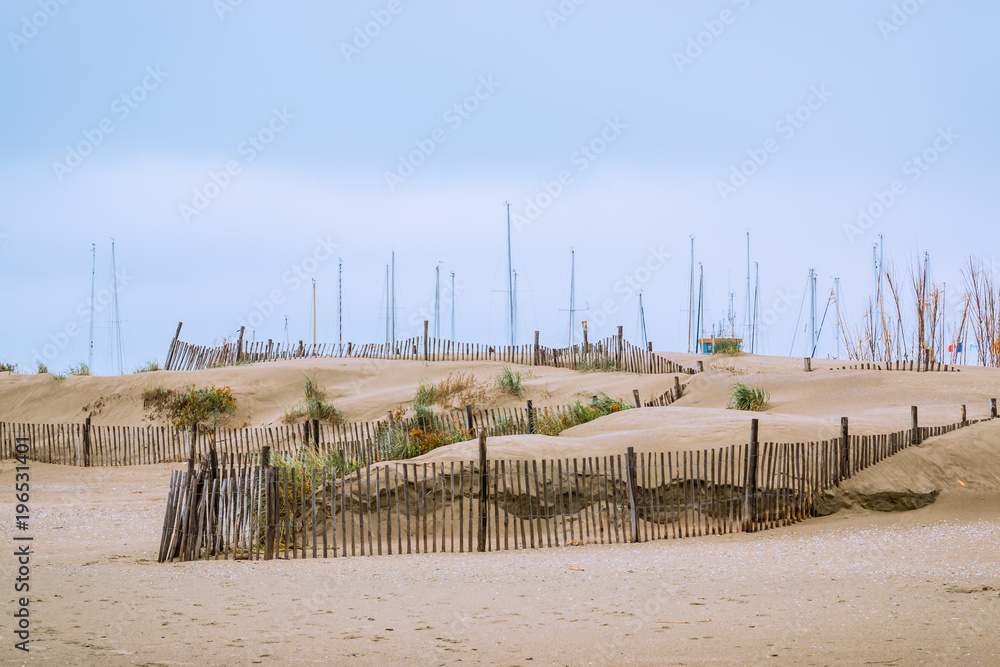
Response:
column 729, row 346
column 79, row 369
column 552, row 423
column 509, row 382
column 149, row 366
column 204, row 408
column 7, row 367
column 314, row 406
column 41, row 368
column 596, row 364
column 744, row 397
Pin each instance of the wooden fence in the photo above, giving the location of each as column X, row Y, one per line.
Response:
column 361, row 443
column 611, row 353
column 222, row 510
column 926, row 367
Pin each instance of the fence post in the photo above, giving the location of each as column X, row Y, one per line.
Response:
column 993, row 408
column 649, row 346
column 635, row 394
column 630, row 477
column 315, row 425
column 173, row 348
column 469, row 424
column 305, row 434
column 963, row 416
column 193, row 444
column 807, row 364
column 239, row 346
column 586, row 345
column 845, row 450
column 535, row 357
column 270, row 502
column 86, row 443
column 531, row 418
column 677, row 387
column 914, row 426
column 484, row 487
column 618, row 349
column 750, row 486
column 213, row 455
column 425, row 340
column 700, row 366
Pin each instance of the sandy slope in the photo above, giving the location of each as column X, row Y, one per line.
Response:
column 920, row 587
column 855, row 587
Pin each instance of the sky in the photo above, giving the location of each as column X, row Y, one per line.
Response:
column 237, row 150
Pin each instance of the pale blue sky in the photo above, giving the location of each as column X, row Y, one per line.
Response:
column 199, row 82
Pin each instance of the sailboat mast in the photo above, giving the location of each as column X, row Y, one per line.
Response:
column 453, row 306
column 701, row 296
column 117, row 313
column 572, row 293
column 642, row 322
column 393, row 279
column 314, row 314
column 340, row 305
column 93, row 282
column 437, row 301
column 691, row 295
column 748, row 320
column 510, row 279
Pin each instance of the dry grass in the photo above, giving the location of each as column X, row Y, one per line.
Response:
column 454, row 392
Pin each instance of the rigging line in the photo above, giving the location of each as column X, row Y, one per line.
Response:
column 802, row 303
column 821, row 322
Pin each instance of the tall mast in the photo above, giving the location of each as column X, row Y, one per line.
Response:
column 453, row 306
column 117, row 344
column 388, row 307
column 642, row 322
column 572, row 292
column 510, row 279
column 812, row 312
column 756, row 299
column 701, row 296
column 437, row 301
column 514, row 319
column 393, row 278
column 314, row 314
column 340, row 304
column 286, row 331
column 836, row 298
column 93, row 281
column 748, row 286
column 691, row 294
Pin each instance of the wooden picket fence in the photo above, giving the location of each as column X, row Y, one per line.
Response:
column 362, row 443
column 925, row 367
column 611, row 353
column 224, row 510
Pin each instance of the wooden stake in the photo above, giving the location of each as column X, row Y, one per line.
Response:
column 484, row 490
column 750, row 486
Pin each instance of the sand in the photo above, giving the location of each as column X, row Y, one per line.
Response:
column 859, row 586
